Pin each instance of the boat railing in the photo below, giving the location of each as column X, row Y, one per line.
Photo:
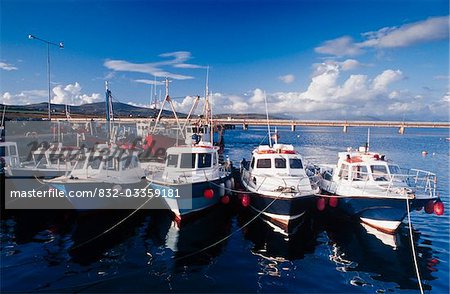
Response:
column 402, row 184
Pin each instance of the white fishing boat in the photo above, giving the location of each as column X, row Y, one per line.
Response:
column 47, row 163
column 107, row 177
column 368, row 186
column 193, row 179
column 279, row 187
column 278, row 184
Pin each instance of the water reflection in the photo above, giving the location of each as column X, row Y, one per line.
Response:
column 192, row 242
column 382, row 257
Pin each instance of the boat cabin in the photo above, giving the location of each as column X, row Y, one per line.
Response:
column 189, row 161
column 364, row 166
column 9, row 152
column 279, row 159
column 106, row 160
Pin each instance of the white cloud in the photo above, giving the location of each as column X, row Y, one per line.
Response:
column 177, row 60
column 287, row 79
column 343, row 46
column 6, row 66
column 24, row 97
column 149, row 82
column 331, row 95
column 431, row 29
column 349, row 64
column 435, row 28
column 71, row 94
column 385, row 78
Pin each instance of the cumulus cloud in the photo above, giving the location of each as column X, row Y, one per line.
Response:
column 24, row 97
column 175, row 59
column 6, row 66
column 69, row 94
column 431, row 29
column 287, row 79
column 333, row 94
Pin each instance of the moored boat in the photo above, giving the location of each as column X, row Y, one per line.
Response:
column 109, row 176
column 278, row 184
column 375, row 190
column 192, row 179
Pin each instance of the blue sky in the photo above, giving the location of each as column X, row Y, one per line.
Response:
column 313, row 59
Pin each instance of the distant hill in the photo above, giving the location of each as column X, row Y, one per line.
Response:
column 91, row 110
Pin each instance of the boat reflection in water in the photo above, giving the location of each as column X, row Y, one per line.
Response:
column 369, row 257
column 277, row 251
column 101, row 235
column 192, row 242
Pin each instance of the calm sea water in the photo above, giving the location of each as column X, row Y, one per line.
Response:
column 54, row 251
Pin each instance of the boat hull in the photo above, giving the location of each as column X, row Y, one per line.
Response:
column 283, row 212
column 101, row 195
column 186, row 206
column 383, row 214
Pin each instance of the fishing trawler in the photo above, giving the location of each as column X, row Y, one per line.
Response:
column 47, row 163
column 102, row 178
column 279, row 187
column 193, row 179
column 368, row 186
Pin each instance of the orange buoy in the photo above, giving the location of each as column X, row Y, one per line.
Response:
column 321, row 204
column 225, row 199
column 245, row 200
column 208, row 193
column 438, row 208
column 334, row 201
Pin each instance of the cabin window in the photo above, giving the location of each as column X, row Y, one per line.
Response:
column 394, row 170
column 359, row 173
column 280, row 162
column 12, row 150
column 204, row 160
column 295, row 163
column 343, row 173
column 172, row 160
column 187, row 160
column 253, row 163
column 379, row 172
column 264, row 163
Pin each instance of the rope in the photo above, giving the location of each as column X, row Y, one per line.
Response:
column 413, row 247
column 231, row 234
column 114, row 226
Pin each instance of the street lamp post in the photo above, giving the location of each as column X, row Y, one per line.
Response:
column 60, row 45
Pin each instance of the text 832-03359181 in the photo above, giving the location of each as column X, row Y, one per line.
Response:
column 149, row 192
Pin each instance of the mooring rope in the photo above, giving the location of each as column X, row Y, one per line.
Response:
column 114, row 226
column 413, row 247
column 232, row 233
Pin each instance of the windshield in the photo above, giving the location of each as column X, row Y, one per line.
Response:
column 379, row 172
column 295, row 163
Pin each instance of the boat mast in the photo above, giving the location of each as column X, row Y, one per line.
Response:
column 268, row 122
column 368, row 140
column 168, row 100
column 108, row 110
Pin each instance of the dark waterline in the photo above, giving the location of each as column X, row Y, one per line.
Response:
column 46, row 251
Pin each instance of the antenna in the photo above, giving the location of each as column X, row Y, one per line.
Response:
column 368, row 140
column 268, row 122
